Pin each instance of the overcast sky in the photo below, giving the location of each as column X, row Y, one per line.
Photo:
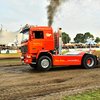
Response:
column 73, row 16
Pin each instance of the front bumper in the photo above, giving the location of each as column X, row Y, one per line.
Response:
column 28, row 58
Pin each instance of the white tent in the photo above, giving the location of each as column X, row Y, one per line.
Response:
column 9, row 37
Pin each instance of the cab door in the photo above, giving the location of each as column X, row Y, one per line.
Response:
column 37, row 41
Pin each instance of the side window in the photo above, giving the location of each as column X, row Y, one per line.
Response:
column 38, row 34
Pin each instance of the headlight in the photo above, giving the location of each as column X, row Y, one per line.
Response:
column 28, row 56
column 22, row 57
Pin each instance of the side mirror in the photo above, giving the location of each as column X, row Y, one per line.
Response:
column 32, row 36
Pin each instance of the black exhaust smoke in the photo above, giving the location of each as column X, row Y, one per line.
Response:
column 52, row 8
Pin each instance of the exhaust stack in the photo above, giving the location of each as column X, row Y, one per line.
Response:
column 60, row 40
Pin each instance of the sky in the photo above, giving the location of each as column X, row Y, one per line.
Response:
column 73, row 16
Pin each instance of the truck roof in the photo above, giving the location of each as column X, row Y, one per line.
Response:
column 41, row 28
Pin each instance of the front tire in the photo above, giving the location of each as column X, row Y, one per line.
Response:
column 44, row 63
column 89, row 61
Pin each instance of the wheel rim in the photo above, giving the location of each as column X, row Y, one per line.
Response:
column 90, row 62
column 45, row 63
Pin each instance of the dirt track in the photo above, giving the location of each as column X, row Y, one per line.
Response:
column 23, row 82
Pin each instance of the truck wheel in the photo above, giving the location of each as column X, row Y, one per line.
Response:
column 89, row 61
column 44, row 63
column 33, row 66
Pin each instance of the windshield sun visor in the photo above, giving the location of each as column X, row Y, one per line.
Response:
column 24, row 30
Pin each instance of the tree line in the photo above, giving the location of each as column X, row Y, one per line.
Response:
column 80, row 37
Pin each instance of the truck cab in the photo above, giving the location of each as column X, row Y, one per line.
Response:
column 36, row 41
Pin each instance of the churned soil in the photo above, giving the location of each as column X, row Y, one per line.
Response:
column 15, row 63
column 25, row 83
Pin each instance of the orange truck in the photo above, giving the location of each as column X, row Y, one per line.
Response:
column 41, row 49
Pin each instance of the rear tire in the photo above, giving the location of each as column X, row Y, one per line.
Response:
column 44, row 63
column 33, row 66
column 89, row 62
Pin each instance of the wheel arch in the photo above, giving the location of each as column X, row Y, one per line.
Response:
column 88, row 54
column 84, row 56
column 44, row 54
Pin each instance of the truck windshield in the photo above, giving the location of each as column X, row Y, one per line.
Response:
column 25, row 36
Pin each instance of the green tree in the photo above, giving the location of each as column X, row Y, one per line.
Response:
column 79, row 38
column 86, row 36
column 97, row 39
column 65, row 38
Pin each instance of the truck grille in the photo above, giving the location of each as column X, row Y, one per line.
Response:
column 24, row 49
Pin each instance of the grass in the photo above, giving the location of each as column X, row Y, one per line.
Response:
column 10, row 54
column 98, row 55
column 94, row 95
column 64, row 52
column 97, row 51
column 5, row 61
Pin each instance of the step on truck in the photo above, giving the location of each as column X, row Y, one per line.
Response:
column 41, row 49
